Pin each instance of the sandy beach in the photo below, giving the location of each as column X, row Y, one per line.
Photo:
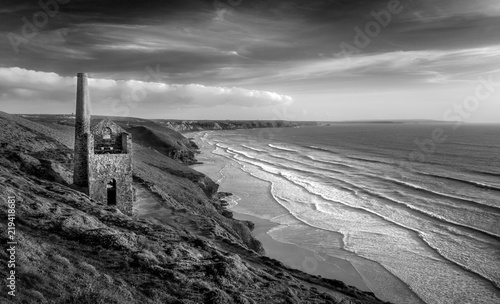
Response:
column 303, row 259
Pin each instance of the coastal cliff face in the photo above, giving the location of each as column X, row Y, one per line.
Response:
column 201, row 125
column 179, row 149
column 72, row 249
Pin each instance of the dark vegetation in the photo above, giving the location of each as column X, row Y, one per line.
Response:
column 72, row 249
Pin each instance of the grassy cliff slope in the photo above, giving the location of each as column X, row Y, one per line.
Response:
column 72, row 249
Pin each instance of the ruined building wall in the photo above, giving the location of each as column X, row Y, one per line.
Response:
column 82, row 132
column 103, row 156
column 111, row 165
column 108, row 138
column 108, row 167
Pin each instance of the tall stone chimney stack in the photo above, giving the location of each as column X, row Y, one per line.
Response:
column 82, row 132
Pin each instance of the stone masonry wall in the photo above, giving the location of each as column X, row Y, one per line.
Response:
column 82, row 149
column 113, row 143
column 105, row 167
column 82, row 132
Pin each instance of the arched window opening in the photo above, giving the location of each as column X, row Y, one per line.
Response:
column 106, row 134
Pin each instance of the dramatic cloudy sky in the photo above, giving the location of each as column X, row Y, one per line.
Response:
column 255, row 59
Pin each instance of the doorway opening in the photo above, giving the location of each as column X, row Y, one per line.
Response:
column 111, row 192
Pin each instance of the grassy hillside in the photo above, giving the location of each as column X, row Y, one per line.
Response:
column 72, row 249
column 175, row 148
column 147, row 133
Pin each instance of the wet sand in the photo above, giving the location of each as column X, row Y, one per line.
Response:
column 303, row 259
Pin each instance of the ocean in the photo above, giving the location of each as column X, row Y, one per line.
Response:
column 415, row 208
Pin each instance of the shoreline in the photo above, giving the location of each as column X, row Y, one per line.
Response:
column 364, row 275
column 303, row 259
column 290, row 254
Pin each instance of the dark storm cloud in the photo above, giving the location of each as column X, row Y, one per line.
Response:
column 198, row 38
column 263, row 46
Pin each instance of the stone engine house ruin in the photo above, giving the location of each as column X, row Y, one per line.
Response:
column 103, row 156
